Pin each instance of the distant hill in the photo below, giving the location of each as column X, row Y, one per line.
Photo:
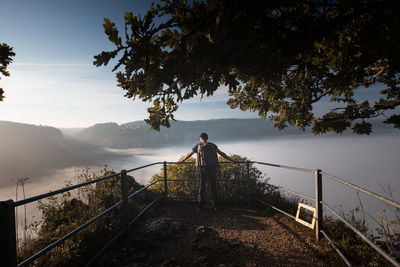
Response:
column 138, row 133
column 30, row 151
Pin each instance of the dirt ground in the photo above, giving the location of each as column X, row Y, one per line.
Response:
column 176, row 234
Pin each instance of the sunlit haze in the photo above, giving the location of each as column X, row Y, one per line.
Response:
column 53, row 81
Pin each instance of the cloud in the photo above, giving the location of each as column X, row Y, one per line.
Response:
column 80, row 95
column 32, row 64
column 62, row 95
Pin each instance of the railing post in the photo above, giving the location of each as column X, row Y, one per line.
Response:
column 124, row 195
column 8, row 242
column 248, row 169
column 165, row 180
column 318, row 204
column 248, row 178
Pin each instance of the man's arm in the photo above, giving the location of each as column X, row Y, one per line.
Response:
column 225, row 156
column 186, row 157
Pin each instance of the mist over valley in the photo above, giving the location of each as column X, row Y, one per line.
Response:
column 49, row 156
column 38, row 151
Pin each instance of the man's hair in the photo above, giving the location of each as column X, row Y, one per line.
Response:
column 204, row 136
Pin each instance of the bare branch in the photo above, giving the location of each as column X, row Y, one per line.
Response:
column 380, row 70
column 328, row 91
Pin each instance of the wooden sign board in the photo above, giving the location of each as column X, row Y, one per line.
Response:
column 310, row 225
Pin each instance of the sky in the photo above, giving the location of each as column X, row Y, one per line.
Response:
column 53, row 81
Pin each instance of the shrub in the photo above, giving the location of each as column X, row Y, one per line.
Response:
column 63, row 214
column 236, row 182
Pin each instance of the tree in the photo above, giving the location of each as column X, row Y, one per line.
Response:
column 6, row 54
column 277, row 58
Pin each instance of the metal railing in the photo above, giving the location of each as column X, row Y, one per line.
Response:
column 8, row 242
column 319, row 203
column 8, row 251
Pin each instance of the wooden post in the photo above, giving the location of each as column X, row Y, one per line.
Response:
column 318, row 205
column 124, row 195
column 165, row 180
column 8, row 242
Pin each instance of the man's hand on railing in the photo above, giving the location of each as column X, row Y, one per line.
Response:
column 185, row 158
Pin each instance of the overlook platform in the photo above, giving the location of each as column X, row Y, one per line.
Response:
column 173, row 233
column 176, row 234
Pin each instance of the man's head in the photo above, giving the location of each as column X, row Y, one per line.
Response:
column 203, row 137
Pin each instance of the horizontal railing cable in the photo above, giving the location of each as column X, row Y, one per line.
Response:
column 181, row 180
column 143, row 188
column 372, row 194
column 144, row 166
column 275, row 208
column 285, row 167
column 366, row 239
column 337, row 250
column 62, row 239
column 195, row 180
column 193, row 162
column 144, row 210
column 62, row 190
column 256, row 162
column 292, row 192
column 72, row 187
column 109, row 243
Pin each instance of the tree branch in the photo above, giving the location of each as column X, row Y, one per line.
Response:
column 380, row 70
column 329, row 90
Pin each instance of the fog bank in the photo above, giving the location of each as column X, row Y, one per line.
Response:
column 368, row 161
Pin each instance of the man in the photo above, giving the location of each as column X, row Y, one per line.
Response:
column 207, row 166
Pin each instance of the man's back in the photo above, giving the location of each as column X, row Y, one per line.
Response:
column 206, row 154
column 207, row 163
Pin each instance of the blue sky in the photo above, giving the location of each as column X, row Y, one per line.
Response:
column 53, row 81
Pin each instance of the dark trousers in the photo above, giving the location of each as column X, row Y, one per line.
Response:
column 207, row 173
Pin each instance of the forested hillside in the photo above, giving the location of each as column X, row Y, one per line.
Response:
column 31, row 151
column 138, row 133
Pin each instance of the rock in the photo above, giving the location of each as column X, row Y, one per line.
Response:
column 200, row 259
column 236, row 243
column 137, row 256
column 205, row 245
column 200, row 229
column 161, row 227
column 140, row 255
column 195, row 240
column 169, row 262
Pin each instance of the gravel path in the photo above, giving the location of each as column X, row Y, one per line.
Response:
column 235, row 236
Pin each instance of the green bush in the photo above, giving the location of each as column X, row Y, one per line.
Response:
column 353, row 247
column 70, row 210
column 236, row 182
